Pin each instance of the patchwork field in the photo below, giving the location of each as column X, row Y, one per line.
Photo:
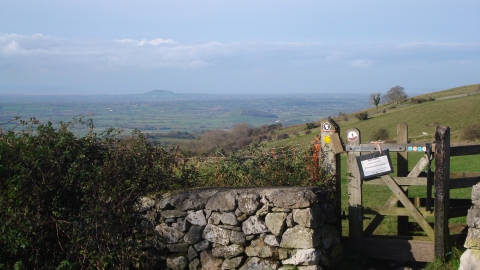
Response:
column 162, row 112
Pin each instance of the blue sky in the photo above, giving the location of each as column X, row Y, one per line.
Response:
column 210, row 46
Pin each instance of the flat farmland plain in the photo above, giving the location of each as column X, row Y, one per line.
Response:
column 163, row 111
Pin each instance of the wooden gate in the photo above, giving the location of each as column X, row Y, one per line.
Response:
column 438, row 205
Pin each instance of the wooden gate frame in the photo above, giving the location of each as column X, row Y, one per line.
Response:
column 401, row 247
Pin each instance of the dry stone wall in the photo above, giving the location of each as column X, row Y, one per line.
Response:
column 240, row 228
column 470, row 259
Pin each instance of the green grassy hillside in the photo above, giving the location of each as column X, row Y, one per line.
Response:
column 457, row 108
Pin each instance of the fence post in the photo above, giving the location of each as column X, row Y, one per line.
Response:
column 402, row 170
column 442, row 191
column 331, row 163
column 355, row 208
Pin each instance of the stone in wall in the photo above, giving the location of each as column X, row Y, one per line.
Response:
column 197, row 218
column 192, row 199
column 216, row 234
column 309, row 256
column 254, row 263
column 232, row 263
column 169, row 234
column 300, row 237
column 177, row 263
column 229, row 219
column 292, row 198
column 258, row 248
column 308, row 217
column 237, row 237
column 275, row 222
column 254, row 225
column 249, row 203
column 473, row 217
column 194, row 235
column 476, row 194
column 209, row 262
column 222, row 201
column 229, row 251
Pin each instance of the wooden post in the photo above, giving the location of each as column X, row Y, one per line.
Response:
column 442, row 191
column 330, row 140
column 355, row 208
column 402, row 171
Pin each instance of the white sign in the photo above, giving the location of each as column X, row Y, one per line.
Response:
column 326, row 126
column 376, row 166
column 352, row 136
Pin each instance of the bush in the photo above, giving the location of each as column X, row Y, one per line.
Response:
column 361, row 116
column 310, row 126
column 471, row 133
column 421, row 100
column 65, row 201
column 380, row 135
column 282, row 136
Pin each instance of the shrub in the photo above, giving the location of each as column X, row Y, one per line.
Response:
column 421, row 100
column 65, row 200
column 310, row 126
column 361, row 116
column 282, row 136
column 380, row 135
column 471, row 133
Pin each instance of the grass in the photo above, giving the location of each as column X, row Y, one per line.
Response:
column 457, row 113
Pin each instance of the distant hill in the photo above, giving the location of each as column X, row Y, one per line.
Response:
column 161, row 93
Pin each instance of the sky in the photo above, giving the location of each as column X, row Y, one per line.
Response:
column 233, row 46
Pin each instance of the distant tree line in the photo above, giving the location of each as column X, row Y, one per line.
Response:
column 227, row 142
column 394, row 96
column 171, row 134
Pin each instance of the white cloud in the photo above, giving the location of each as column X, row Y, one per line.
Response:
column 362, row 63
column 154, row 42
column 52, row 53
column 430, row 44
column 159, row 41
column 11, row 48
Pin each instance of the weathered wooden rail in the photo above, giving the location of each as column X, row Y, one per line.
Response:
column 404, row 246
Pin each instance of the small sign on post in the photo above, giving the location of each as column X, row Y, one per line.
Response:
column 374, row 164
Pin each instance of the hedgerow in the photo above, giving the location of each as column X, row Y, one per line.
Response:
column 66, row 201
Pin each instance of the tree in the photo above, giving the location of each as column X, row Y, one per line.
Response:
column 380, row 135
column 395, row 95
column 375, row 99
column 361, row 116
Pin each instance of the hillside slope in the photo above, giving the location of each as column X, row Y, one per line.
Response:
column 457, row 108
